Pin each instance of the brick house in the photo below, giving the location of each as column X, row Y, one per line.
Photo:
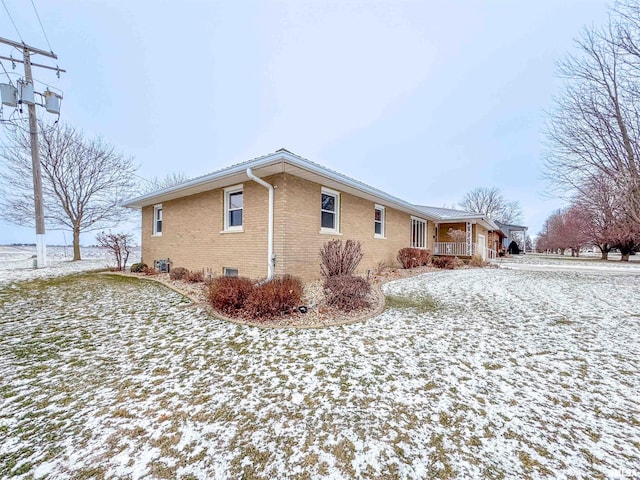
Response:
column 271, row 215
column 483, row 236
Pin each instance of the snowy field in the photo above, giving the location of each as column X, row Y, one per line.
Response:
column 508, row 373
column 16, row 262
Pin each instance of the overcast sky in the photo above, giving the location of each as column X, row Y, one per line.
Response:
column 422, row 99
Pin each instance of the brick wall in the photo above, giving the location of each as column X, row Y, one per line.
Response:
column 192, row 231
column 302, row 238
column 193, row 237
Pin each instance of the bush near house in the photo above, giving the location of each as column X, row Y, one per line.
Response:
column 239, row 297
column 195, row 276
column 138, row 267
column 347, row 292
column 339, row 259
column 275, row 298
column 413, row 257
column 178, row 273
column 228, row 294
column 477, row 261
column 446, row 263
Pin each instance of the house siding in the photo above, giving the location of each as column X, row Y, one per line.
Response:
column 192, row 233
column 302, row 240
column 192, row 227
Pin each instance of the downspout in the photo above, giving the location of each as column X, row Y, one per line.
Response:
column 270, row 255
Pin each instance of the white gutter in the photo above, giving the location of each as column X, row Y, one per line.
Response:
column 270, row 255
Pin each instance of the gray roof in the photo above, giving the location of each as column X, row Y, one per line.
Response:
column 281, row 161
column 451, row 215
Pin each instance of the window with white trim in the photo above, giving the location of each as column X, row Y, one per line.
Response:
column 418, row 233
column 230, row 272
column 330, row 211
column 157, row 220
column 233, row 208
column 378, row 221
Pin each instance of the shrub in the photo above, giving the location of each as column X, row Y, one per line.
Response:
column 138, row 267
column 447, row 263
column 228, row 294
column 277, row 297
column 477, row 261
column 347, row 292
column 337, row 259
column 178, row 273
column 149, row 271
column 413, row 257
column 195, row 276
column 119, row 244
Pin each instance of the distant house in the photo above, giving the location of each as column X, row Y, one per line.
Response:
column 271, row 215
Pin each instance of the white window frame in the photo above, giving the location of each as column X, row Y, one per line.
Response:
column 383, row 218
column 226, row 271
column 422, row 233
column 336, row 195
column 227, row 204
column 157, row 208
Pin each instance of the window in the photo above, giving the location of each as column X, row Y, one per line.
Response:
column 233, row 207
column 157, row 220
column 418, row 233
column 330, row 211
column 378, row 221
column 230, row 272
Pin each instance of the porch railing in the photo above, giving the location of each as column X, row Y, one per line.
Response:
column 459, row 249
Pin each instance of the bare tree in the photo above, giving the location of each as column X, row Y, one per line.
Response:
column 83, row 181
column 169, row 180
column 119, row 244
column 491, row 202
column 594, row 128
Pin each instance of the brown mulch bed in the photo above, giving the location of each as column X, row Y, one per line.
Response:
column 318, row 313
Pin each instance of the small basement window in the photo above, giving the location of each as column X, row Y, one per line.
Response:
column 230, row 272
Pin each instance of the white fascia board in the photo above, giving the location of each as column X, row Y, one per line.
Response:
column 199, row 184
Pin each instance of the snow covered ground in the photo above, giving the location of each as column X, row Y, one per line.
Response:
column 16, row 262
column 513, row 374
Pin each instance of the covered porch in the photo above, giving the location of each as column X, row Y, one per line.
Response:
column 462, row 249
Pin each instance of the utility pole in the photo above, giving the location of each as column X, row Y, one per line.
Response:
column 41, row 245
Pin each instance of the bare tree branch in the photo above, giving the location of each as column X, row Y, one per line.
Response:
column 83, row 181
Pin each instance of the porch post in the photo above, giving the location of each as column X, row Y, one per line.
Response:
column 468, row 231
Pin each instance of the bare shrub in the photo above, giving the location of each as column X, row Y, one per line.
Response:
column 228, row 294
column 196, row 276
column 347, row 292
column 477, row 261
column 446, row 263
column 275, row 298
column 138, row 267
column 339, row 259
column 149, row 271
column 119, row 244
column 178, row 273
column 413, row 257
column 457, row 236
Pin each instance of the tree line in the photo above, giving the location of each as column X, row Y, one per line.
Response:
column 593, row 140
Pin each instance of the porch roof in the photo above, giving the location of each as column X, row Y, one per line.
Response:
column 450, row 215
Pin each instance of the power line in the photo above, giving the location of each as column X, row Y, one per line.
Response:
column 40, row 22
column 7, row 73
column 14, row 23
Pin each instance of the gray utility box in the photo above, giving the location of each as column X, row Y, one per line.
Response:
column 162, row 265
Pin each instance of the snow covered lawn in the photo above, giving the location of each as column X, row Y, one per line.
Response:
column 501, row 374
